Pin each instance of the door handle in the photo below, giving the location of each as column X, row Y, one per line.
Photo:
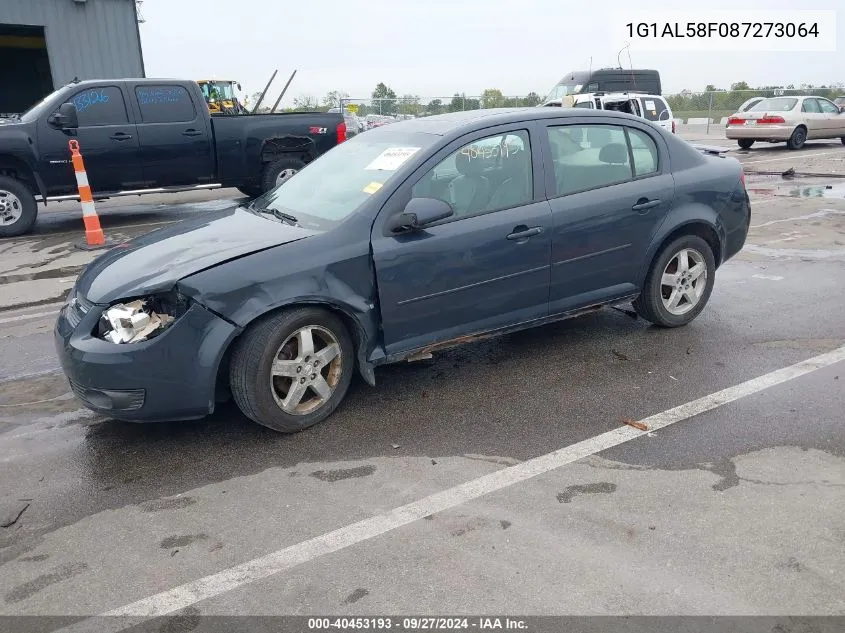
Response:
column 644, row 204
column 522, row 232
column 192, row 132
column 120, row 136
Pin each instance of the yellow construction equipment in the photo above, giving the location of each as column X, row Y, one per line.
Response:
column 220, row 96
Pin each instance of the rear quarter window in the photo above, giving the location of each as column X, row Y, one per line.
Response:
column 165, row 104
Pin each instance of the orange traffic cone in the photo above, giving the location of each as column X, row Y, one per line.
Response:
column 94, row 237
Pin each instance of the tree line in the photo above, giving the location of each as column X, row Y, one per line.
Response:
column 384, row 100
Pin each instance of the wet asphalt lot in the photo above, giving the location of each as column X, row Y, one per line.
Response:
column 735, row 510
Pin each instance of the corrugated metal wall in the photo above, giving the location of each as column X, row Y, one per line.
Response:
column 92, row 39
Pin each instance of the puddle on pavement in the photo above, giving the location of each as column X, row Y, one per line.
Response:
column 792, row 190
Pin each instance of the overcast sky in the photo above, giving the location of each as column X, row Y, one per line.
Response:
column 434, row 48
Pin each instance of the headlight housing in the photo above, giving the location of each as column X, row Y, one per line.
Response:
column 142, row 318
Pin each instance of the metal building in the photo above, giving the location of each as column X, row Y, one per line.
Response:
column 45, row 44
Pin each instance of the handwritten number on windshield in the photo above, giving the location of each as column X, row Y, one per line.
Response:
column 90, row 98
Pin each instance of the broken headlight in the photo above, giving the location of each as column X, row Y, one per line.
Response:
column 141, row 319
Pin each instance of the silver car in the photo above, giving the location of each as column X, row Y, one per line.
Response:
column 793, row 120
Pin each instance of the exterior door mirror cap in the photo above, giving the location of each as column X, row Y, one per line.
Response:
column 420, row 213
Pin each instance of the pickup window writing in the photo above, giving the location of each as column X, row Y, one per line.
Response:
column 100, row 106
column 165, row 104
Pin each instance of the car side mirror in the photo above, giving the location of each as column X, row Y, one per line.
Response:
column 418, row 214
column 65, row 118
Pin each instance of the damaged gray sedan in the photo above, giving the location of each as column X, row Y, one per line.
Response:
column 400, row 242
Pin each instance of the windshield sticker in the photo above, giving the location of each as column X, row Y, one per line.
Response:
column 392, row 158
column 372, row 187
column 649, row 105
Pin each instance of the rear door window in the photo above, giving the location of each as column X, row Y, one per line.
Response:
column 165, row 104
column 811, row 105
column 644, row 150
column 589, row 157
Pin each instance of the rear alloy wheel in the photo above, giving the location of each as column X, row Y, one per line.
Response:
column 745, row 143
column 798, row 138
column 292, row 369
column 678, row 284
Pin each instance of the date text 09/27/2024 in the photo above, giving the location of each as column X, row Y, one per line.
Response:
column 723, row 29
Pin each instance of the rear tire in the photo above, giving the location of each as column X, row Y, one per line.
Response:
column 655, row 301
column 798, row 138
column 279, row 169
column 843, row 140
column 18, row 208
column 281, row 382
column 745, row 143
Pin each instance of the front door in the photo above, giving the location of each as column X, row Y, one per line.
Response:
column 605, row 208
column 108, row 142
column 484, row 268
column 834, row 119
column 176, row 144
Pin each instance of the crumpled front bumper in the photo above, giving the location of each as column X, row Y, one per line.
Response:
column 169, row 377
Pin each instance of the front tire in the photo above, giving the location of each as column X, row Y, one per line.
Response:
column 745, row 143
column 291, row 369
column 798, row 138
column 276, row 172
column 678, row 284
column 18, row 208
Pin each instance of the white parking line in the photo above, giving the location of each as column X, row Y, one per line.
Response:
column 790, row 157
column 219, row 583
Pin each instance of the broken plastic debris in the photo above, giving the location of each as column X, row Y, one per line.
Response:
column 130, row 324
column 635, row 424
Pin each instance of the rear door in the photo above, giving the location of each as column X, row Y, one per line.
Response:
column 812, row 114
column 175, row 140
column 610, row 189
column 108, row 142
column 486, row 267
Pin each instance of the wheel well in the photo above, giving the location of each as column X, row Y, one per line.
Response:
column 704, row 231
column 19, row 171
column 275, row 148
column 222, row 379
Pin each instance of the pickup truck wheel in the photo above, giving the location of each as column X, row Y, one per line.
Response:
column 292, row 369
column 678, row 284
column 279, row 170
column 17, row 207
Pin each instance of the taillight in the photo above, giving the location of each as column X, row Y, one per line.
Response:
column 341, row 132
column 736, row 121
column 770, row 120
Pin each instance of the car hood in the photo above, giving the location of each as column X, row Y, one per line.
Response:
column 156, row 261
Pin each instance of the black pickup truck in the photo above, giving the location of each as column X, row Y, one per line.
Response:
column 141, row 136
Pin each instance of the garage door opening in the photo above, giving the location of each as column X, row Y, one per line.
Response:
column 25, row 75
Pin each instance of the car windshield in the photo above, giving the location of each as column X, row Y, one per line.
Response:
column 38, row 109
column 562, row 90
column 778, row 104
column 335, row 185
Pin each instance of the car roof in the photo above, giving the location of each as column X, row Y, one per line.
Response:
column 454, row 122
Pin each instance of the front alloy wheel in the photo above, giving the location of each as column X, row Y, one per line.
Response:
column 291, row 369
